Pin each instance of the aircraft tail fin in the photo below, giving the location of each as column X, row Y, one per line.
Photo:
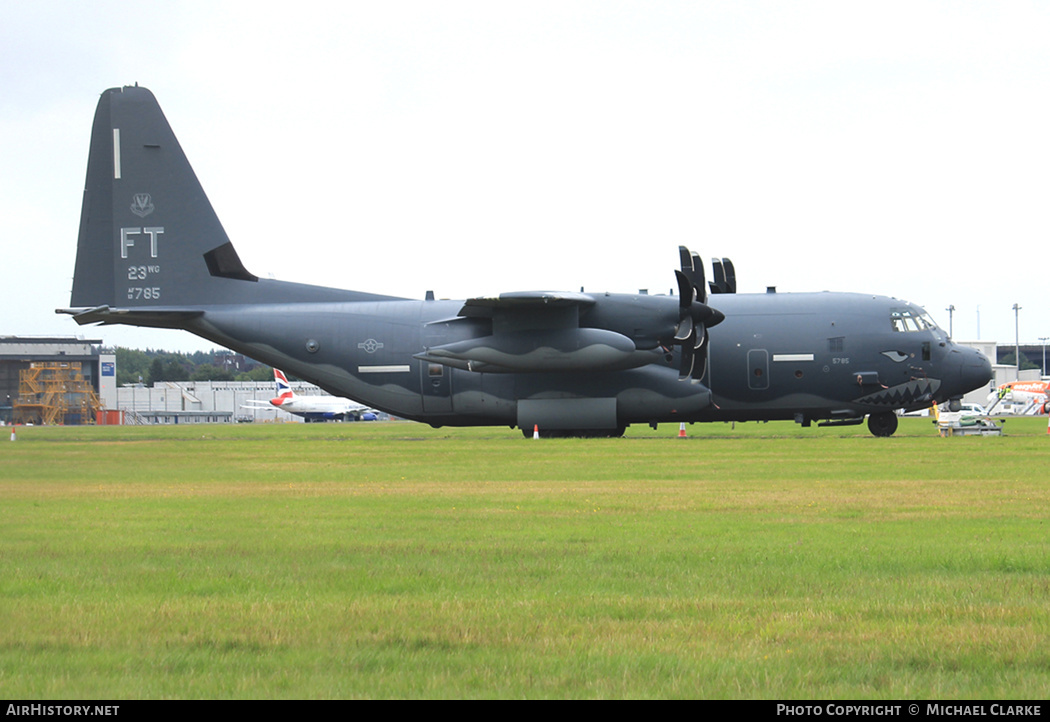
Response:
column 148, row 234
column 284, row 389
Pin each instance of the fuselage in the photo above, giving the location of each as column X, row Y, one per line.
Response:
column 317, row 408
column 776, row 356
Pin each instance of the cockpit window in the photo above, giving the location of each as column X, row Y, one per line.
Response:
column 907, row 319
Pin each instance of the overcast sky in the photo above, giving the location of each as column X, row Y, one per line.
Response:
column 481, row 147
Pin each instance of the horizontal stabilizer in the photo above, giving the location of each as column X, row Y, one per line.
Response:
column 157, row 317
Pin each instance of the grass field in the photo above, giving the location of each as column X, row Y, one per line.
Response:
column 395, row 560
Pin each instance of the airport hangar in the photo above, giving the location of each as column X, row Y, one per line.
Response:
column 196, row 402
column 32, row 367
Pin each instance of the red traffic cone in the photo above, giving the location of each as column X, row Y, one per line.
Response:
column 535, row 431
column 681, row 430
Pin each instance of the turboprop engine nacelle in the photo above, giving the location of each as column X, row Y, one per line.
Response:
column 540, row 351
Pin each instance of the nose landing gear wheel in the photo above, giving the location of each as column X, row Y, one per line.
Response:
column 883, row 423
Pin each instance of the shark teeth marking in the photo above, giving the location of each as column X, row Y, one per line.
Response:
column 902, row 395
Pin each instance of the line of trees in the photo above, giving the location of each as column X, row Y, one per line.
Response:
column 150, row 366
column 1009, row 358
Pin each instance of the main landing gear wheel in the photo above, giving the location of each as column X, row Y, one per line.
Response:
column 883, row 423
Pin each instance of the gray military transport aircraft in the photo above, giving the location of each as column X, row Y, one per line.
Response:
column 152, row 252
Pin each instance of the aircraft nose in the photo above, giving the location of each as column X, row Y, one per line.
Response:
column 975, row 369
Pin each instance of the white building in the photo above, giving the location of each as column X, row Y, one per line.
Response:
column 205, row 402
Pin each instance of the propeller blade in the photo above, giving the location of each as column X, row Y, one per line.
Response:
column 730, row 275
column 686, row 259
column 685, row 290
column 698, row 282
column 693, row 268
column 686, row 330
column 700, row 354
column 719, row 284
column 688, row 358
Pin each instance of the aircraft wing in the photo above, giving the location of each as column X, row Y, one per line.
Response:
column 529, row 309
column 524, row 302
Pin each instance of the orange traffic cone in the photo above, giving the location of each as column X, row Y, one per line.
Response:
column 13, row 437
column 681, row 430
column 535, row 431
